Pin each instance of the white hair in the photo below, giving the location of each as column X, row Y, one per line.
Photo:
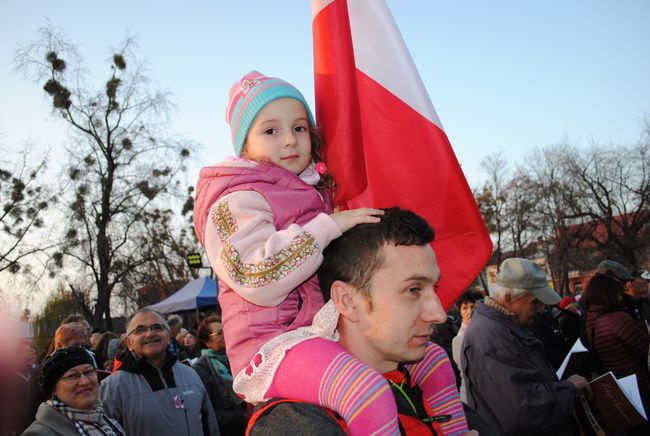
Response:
column 174, row 319
column 163, row 321
column 498, row 292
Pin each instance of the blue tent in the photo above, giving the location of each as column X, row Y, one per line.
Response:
column 197, row 293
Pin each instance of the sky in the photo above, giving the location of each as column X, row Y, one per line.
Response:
column 504, row 76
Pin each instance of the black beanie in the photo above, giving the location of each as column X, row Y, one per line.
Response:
column 59, row 363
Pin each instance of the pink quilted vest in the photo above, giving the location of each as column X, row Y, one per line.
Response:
column 247, row 326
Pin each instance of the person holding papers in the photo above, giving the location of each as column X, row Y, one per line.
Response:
column 510, row 382
column 620, row 341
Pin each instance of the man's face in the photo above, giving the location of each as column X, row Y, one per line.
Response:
column 152, row 341
column 640, row 287
column 526, row 308
column 395, row 325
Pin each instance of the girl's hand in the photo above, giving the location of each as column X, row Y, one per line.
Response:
column 350, row 218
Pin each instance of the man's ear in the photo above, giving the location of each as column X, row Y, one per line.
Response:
column 343, row 296
column 507, row 298
column 127, row 341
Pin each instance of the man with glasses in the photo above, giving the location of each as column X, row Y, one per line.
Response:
column 152, row 393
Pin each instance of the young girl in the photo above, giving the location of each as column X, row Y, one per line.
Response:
column 264, row 219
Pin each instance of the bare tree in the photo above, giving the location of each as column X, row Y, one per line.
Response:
column 555, row 195
column 24, row 199
column 122, row 165
column 519, row 214
column 615, row 182
column 492, row 199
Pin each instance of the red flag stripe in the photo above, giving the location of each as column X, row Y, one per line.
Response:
column 385, row 117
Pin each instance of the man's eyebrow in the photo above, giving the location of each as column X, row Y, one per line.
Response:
column 427, row 279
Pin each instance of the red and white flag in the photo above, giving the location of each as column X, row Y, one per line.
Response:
column 385, row 145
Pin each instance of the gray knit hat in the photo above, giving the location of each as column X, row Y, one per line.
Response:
column 614, row 269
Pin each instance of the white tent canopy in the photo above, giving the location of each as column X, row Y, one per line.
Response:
column 195, row 294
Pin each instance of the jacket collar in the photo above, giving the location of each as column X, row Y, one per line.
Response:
column 520, row 331
column 56, row 421
column 153, row 375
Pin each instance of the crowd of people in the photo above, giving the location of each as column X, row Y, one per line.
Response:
column 150, row 381
column 330, row 320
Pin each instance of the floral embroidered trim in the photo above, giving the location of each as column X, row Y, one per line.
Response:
column 224, row 220
column 272, row 268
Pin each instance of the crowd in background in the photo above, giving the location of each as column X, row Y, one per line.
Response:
column 610, row 317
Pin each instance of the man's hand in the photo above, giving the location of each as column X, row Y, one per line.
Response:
column 581, row 384
column 471, row 433
column 350, row 218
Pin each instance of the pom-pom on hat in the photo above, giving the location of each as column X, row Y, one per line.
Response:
column 59, row 363
column 249, row 95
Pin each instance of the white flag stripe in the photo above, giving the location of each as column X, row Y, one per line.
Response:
column 317, row 6
column 380, row 52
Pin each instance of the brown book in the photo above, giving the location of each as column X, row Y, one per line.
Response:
column 611, row 409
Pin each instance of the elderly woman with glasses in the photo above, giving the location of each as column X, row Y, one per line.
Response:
column 68, row 379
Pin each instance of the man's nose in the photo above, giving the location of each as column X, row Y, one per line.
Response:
column 432, row 310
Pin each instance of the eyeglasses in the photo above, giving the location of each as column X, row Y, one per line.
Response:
column 153, row 328
column 76, row 376
column 220, row 332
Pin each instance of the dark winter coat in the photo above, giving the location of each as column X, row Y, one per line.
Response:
column 621, row 343
column 231, row 412
column 510, row 382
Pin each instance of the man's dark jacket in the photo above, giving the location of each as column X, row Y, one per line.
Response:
column 510, row 383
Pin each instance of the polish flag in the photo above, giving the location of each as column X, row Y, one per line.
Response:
column 385, row 145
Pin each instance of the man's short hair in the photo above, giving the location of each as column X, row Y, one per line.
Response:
column 356, row 255
column 163, row 321
column 174, row 320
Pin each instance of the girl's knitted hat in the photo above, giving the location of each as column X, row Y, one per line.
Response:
column 249, row 95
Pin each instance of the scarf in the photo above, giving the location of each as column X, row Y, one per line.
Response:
column 499, row 308
column 218, row 367
column 93, row 422
column 223, row 358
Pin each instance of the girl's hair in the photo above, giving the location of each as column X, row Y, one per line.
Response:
column 318, row 155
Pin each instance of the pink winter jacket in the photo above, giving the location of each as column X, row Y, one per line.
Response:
column 264, row 231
